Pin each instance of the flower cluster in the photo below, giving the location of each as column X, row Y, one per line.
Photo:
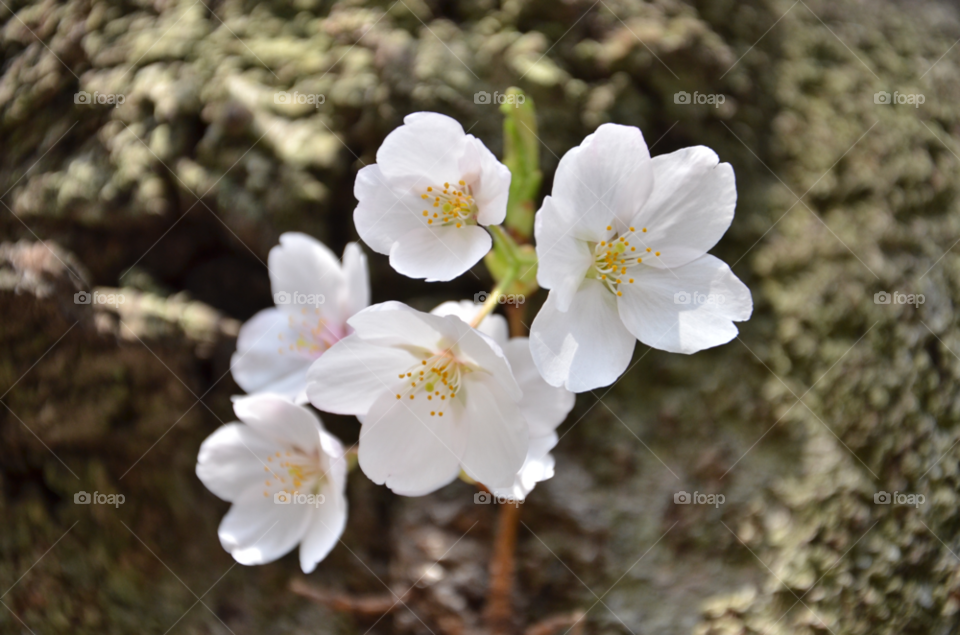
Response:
column 449, row 393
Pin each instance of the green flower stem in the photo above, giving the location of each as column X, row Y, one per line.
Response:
column 493, row 299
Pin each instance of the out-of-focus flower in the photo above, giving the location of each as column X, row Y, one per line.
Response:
column 314, row 295
column 424, row 200
column 285, row 476
column 433, row 395
column 544, row 407
column 622, row 245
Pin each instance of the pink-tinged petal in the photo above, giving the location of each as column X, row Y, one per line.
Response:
column 428, row 145
column 439, row 254
column 355, row 294
column 493, row 326
column 387, row 208
column 564, row 259
column 537, row 467
column 231, row 460
column 497, row 437
column 543, row 406
column 326, row 526
column 281, row 420
column 305, row 274
column 353, row 374
column 490, row 182
column 605, row 180
column 258, row 530
column 584, row 348
column 409, row 450
column 687, row 309
column 691, row 207
column 269, row 358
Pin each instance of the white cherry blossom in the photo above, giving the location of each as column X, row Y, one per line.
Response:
column 314, row 296
column 544, row 407
column 285, row 476
column 424, row 201
column 622, row 245
column 433, row 396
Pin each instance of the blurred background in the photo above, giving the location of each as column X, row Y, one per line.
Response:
column 143, row 151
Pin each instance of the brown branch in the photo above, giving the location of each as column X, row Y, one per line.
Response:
column 366, row 605
column 499, row 609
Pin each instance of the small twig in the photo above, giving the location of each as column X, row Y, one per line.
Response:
column 366, row 605
column 573, row 621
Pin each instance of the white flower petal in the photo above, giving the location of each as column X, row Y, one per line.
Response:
column 658, row 317
column 231, row 460
column 537, row 467
column 257, row 530
column 439, row 254
column 327, row 523
column 606, row 179
column 584, row 348
column 355, row 294
column 281, row 420
column 349, row 377
column 263, row 361
column 304, row 266
column 493, row 326
column 691, row 207
column 491, row 184
column 543, row 406
column 564, row 259
column 497, row 437
column 396, row 324
column 386, row 208
column 427, row 145
column 407, row 449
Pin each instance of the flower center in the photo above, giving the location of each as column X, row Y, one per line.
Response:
column 437, row 377
column 613, row 259
column 291, row 470
column 450, row 205
column 310, row 335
